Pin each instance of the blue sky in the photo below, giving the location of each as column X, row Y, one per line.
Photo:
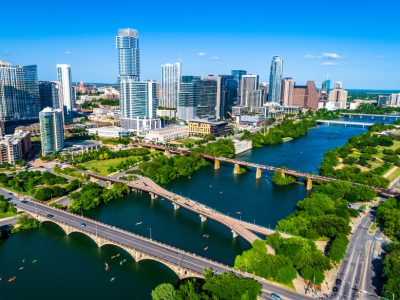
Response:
column 358, row 44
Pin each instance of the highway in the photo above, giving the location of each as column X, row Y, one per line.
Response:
column 150, row 247
column 357, row 271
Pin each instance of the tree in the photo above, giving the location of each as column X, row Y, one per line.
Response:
column 164, row 291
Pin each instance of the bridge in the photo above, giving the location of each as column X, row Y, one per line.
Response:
column 241, row 228
column 345, row 123
column 391, row 192
column 183, row 263
column 349, row 114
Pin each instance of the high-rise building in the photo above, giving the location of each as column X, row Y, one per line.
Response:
column 127, row 42
column 248, row 83
column 275, row 79
column 209, row 92
column 170, row 82
column 326, row 86
column 394, row 99
column 189, row 97
column 306, row 95
column 51, row 130
column 237, row 76
column 287, row 91
column 50, row 94
column 64, row 77
column 337, row 98
column 254, row 99
column 14, row 147
column 19, row 92
column 138, row 105
column 227, row 95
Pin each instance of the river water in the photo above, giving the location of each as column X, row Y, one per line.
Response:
column 72, row 267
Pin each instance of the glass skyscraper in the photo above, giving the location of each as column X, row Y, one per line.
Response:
column 170, row 82
column 49, row 94
column 51, row 130
column 208, row 97
column 189, row 97
column 237, row 76
column 127, row 42
column 275, row 79
column 19, row 93
column 64, row 77
column 228, row 93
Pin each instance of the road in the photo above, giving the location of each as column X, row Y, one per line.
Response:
column 158, row 250
column 358, row 270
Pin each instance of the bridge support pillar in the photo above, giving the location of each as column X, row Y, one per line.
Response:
column 217, row 164
column 153, row 196
column 202, row 218
column 236, row 169
column 234, row 234
column 176, row 206
column 258, row 173
column 309, row 184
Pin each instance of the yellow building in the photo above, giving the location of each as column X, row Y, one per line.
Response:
column 203, row 127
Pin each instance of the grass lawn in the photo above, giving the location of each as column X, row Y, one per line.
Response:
column 394, row 175
column 185, row 141
column 101, row 166
column 6, row 215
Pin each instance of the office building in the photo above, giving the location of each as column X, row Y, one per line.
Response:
column 167, row 134
column 306, row 96
column 275, row 79
column 227, row 95
column 337, row 98
column 51, row 130
column 326, row 86
column 19, row 93
column 170, row 83
column 237, row 76
column 138, row 105
column 287, row 91
column 127, row 43
column 394, row 99
column 202, row 127
column 50, row 94
column 64, row 77
column 189, row 97
column 15, row 147
column 248, row 83
column 109, row 132
column 209, row 92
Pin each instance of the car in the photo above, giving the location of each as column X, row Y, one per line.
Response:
column 335, row 289
column 338, row 281
column 83, row 224
column 24, row 201
column 50, row 216
column 275, row 296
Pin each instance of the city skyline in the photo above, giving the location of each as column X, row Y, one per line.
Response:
column 359, row 53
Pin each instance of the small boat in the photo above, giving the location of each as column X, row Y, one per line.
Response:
column 210, row 186
column 112, row 279
column 23, row 260
column 206, row 236
column 139, row 223
column 221, row 192
column 115, row 256
column 206, row 248
column 239, row 212
column 122, row 262
column 106, row 266
column 12, row 279
column 34, row 261
column 21, row 268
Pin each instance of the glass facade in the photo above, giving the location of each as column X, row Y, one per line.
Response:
column 49, row 94
column 189, row 97
column 138, row 99
column 127, row 42
column 51, row 130
column 275, row 79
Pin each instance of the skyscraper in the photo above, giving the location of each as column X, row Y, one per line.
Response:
column 228, row 93
column 127, row 42
column 170, row 82
column 248, row 83
column 326, row 86
column 209, row 92
column 138, row 105
column 51, row 130
column 237, row 76
column 275, row 79
column 64, row 77
column 189, row 97
column 287, row 91
column 50, row 94
column 19, row 93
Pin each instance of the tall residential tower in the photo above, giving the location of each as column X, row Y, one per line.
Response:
column 170, row 82
column 127, row 42
column 51, row 130
column 275, row 79
column 64, row 77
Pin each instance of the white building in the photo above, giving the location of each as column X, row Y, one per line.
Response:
column 13, row 147
column 64, row 76
column 170, row 83
column 167, row 134
column 109, row 132
column 287, row 91
column 51, row 130
column 337, row 98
